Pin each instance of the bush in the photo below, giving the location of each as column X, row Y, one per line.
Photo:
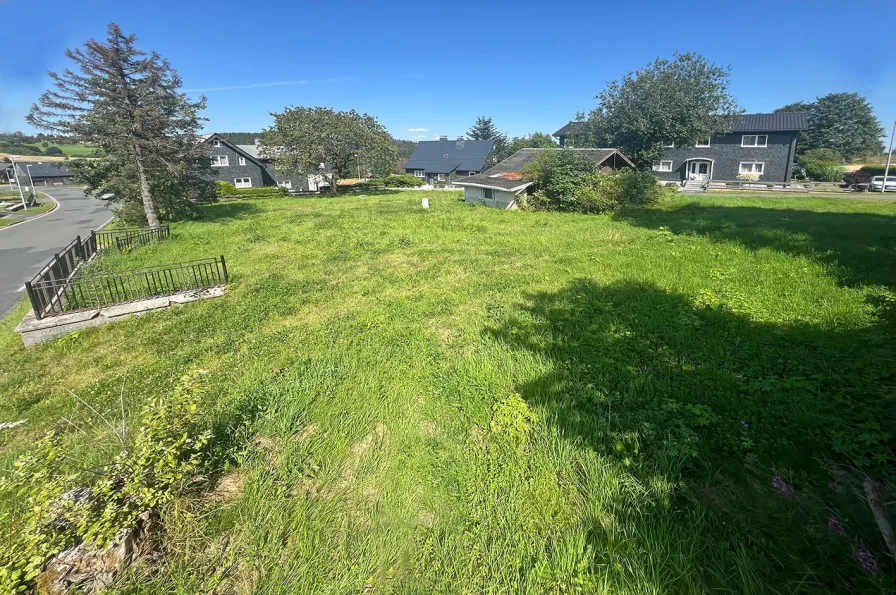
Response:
column 878, row 170
column 820, row 171
column 403, row 181
column 749, row 177
column 857, row 180
column 53, row 151
column 819, row 156
column 559, row 176
column 224, row 188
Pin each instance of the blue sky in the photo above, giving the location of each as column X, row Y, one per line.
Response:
column 425, row 69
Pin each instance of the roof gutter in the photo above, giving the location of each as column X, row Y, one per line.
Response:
column 478, row 185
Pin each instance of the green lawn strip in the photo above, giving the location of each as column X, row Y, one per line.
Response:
column 464, row 399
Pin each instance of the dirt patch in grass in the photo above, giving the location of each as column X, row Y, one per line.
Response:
column 228, row 488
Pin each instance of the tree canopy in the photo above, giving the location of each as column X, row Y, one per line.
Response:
column 485, row 129
column 843, row 122
column 128, row 102
column 536, row 140
column 309, row 138
column 678, row 101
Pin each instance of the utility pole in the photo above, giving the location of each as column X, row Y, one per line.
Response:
column 883, row 186
column 15, row 170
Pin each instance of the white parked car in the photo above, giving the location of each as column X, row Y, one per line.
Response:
column 877, row 183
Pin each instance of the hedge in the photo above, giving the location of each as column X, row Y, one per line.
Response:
column 878, row 170
column 403, row 181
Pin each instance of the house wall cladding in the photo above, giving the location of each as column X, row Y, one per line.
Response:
column 234, row 170
column 728, row 154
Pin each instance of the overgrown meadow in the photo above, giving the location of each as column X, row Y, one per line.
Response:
column 682, row 399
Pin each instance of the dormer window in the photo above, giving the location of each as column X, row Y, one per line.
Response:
column 445, row 156
column 754, row 140
column 704, row 142
column 216, row 143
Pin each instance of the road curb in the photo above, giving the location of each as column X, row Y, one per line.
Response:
column 56, row 206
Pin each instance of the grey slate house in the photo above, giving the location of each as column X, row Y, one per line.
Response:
column 243, row 166
column 443, row 161
column 762, row 144
column 500, row 186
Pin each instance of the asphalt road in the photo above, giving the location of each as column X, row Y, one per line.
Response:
column 26, row 247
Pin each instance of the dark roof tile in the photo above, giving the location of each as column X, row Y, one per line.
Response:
column 434, row 156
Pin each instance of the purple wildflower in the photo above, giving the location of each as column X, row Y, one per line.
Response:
column 866, row 559
column 836, row 526
column 781, row 485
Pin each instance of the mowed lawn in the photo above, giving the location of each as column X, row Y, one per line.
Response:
column 468, row 400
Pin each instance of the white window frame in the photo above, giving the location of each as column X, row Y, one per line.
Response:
column 658, row 166
column 669, row 146
column 472, row 173
column 441, row 177
column 755, row 137
column 708, row 143
column 216, row 143
column 220, row 160
column 241, row 160
column 486, row 192
column 418, row 173
column 752, row 170
column 242, row 182
column 285, row 184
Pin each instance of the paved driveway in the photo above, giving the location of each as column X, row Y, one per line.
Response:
column 28, row 246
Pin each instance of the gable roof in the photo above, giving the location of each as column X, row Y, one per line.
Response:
column 446, row 156
column 240, row 149
column 771, row 122
column 777, row 122
column 507, row 174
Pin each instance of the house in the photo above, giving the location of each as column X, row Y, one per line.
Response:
column 561, row 134
column 761, row 144
column 444, row 161
column 244, row 167
column 501, row 185
column 43, row 174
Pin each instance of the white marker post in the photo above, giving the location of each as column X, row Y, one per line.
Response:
column 425, row 202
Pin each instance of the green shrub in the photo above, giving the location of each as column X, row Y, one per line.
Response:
column 819, row 156
column 607, row 192
column 559, row 176
column 53, row 151
column 224, row 188
column 168, row 451
column 878, row 170
column 820, row 171
column 403, row 181
column 377, row 184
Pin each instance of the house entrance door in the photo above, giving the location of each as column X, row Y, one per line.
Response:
column 699, row 170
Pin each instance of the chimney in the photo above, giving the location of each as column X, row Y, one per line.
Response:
column 443, row 137
column 460, row 139
column 257, row 141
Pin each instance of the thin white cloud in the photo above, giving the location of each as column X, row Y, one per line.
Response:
column 418, row 129
column 263, row 85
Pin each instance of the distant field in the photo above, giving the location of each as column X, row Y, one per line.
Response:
column 76, row 150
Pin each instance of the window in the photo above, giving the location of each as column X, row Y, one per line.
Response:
column 242, row 160
column 242, row 182
column 220, row 161
column 488, row 194
column 285, row 183
column 665, row 165
column 701, row 143
column 418, row 173
column 216, row 143
column 751, row 167
column 754, row 140
column 441, row 177
column 472, row 173
column 669, row 146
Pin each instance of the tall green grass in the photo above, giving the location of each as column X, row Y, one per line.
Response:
column 466, row 400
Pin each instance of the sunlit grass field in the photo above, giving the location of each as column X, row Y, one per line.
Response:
column 469, row 400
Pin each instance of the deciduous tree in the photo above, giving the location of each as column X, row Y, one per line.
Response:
column 679, row 101
column 843, row 122
column 307, row 138
column 536, row 140
column 128, row 102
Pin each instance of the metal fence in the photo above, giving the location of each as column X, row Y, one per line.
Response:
column 130, row 240
column 50, row 296
column 109, row 238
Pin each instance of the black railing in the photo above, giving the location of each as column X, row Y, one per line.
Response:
column 51, row 296
column 131, row 239
column 106, row 237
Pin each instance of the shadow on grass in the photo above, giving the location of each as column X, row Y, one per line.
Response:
column 857, row 248
column 671, row 390
column 230, row 209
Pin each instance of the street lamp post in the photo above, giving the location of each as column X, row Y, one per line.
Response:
column 15, row 171
column 883, row 186
column 31, row 180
